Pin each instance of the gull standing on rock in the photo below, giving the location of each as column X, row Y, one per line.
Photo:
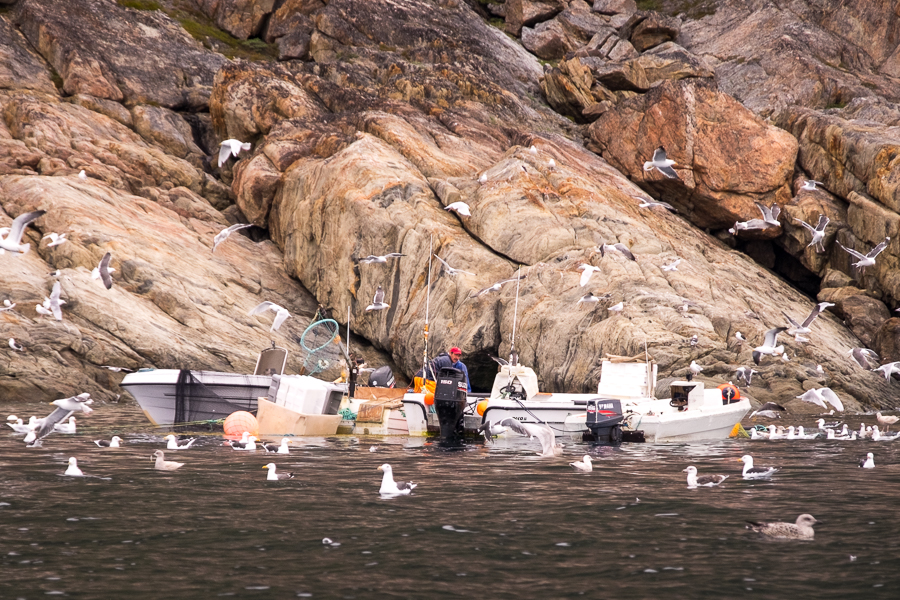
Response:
column 588, row 299
column 618, row 307
column 12, row 243
column 661, row 163
column 378, row 302
column 223, row 235
column 15, row 346
column 695, row 368
column 818, row 232
column 103, row 271
column 7, row 305
column 886, row 421
column 281, row 313
column 231, row 147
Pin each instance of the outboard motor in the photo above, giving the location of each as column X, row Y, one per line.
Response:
column 604, row 419
column 382, row 377
column 449, row 402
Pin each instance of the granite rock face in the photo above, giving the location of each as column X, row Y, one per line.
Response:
column 384, row 112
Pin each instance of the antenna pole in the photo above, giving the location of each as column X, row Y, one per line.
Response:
column 515, row 317
column 427, row 309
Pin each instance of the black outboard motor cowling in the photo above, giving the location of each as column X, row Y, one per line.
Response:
column 604, row 419
column 382, row 377
column 449, row 402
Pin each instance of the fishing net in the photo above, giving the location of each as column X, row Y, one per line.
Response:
column 322, row 345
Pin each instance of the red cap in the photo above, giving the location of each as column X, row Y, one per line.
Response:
column 455, row 350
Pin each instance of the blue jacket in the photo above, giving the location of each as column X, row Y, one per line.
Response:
column 443, row 360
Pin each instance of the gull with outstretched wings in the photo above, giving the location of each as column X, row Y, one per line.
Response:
column 542, row 433
column 281, row 313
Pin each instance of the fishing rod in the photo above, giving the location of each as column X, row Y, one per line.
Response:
column 425, row 365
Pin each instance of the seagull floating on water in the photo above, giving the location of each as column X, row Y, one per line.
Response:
column 112, row 443
column 173, row 443
column 583, row 465
column 868, row 462
column 703, row 481
column 278, row 448
column 801, row 530
column 231, row 147
column 661, row 163
column 389, row 487
column 751, row 472
column 73, row 470
column 165, row 465
column 70, row 427
column 273, row 476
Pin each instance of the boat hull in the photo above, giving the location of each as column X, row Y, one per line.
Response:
column 690, row 425
column 156, row 393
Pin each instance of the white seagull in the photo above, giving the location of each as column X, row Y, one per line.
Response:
column 583, row 464
column 866, row 260
column 673, row 266
column 7, row 305
column 278, row 449
column 661, row 163
column 496, row 287
column 483, row 179
column 378, row 302
column 69, row 427
column 389, row 487
column 746, row 373
column 586, row 272
column 705, row 481
column 12, row 243
column 802, row 328
column 53, row 303
column 618, row 307
column 173, row 443
column 868, row 462
column 889, row 369
column 450, row 270
column 103, row 271
column 695, row 368
column 588, row 299
column 542, row 433
column 751, row 472
column 73, row 470
column 820, row 396
column 770, row 214
column 15, row 346
column 281, row 313
column 460, row 208
column 82, row 175
column 818, row 232
column 647, row 203
column 273, row 476
column 231, row 147
column 113, row 443
column 223, row 235
column 768, row 346
column 164, row 465
column 56, row 239
column 379, row 259
column 617, row 247
column 810, row 185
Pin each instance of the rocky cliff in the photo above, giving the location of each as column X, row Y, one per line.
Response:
column 368, row 117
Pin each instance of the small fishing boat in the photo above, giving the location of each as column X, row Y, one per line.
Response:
column 693, row 412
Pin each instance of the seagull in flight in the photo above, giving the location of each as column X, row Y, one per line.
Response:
column 496, row 287
column 103, row 271
column 231, row 147
column 56, row 239
column 281, row 313
column 889, row 369
column 590, row 298
column 12, row 243
column 673, row 266
column 770, row 214
column 864, row 357
column 647, row 203
column 768, row 346
column 543, row 434
column 746, row 373
column 378, row 302
column 769, row 410
column 820, row 396
column 450, row 270
column 617, row 247
column 803, row 328
column 752, row 224
column 586, row 272
column 53, row 303
column 869, row 259
column 379, row 259
column 661, row 163
column 818, row 232
column 223, row 235
column 460, row 208
column 810, row 185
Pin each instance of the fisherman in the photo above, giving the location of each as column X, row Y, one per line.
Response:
column 452, row 360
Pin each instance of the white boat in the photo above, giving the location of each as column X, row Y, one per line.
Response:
column 692, row 413
column 171, row 396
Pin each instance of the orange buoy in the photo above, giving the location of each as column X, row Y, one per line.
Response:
column 481, row 407
column 238, row 422
column 730, row 393
column 429, row 398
